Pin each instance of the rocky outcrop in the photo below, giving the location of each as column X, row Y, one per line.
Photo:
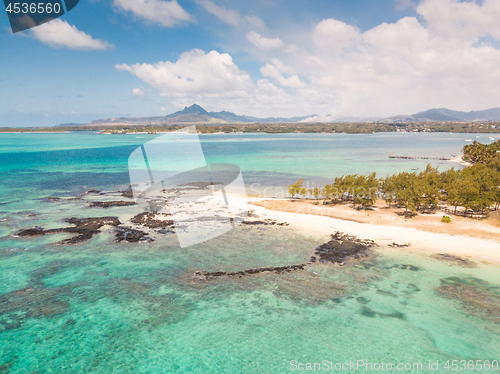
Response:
column 268, row 222
column 130, row 235
column 203, row 275
column 84, row 228
column 402, row 245
column 342, row 248
column 108, row 204
column 127, row 193
column 150, row 219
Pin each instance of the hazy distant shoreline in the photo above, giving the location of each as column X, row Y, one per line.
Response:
column 280, row 128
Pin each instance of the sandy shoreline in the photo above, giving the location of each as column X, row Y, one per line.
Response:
column 461, row 161
column 420, row 240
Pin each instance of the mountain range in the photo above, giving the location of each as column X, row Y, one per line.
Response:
column 193, row 114
column 447, row 115
column 196, row 114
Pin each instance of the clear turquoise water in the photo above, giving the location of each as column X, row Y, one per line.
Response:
column 66, row 162
column 105, row 307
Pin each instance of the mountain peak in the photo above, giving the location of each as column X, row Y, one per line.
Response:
column 195, row 108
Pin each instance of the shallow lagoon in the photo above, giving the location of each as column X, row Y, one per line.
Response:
column 105, row 307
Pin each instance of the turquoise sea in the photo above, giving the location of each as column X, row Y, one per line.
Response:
column 106, row 307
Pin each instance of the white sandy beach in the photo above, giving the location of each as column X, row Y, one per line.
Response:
column 382, row 235
column 459, row 160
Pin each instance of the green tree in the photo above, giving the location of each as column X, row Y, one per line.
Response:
column 316, row 192
column 296, row 188
column 481, row 181
column 365, row 190
column 430, row 184
column 451, row 182
column 494, row 162
column 388, row 189
column 409, row 190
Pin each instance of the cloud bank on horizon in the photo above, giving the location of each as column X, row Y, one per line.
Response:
column 443, row 53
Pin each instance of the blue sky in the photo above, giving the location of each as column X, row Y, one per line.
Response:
column 113, row 58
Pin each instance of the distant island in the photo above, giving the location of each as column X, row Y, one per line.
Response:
column 196, row 114
column 190, row 115
column 433, row 120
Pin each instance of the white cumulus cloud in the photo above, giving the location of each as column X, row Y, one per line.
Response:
column 335, row 69
column 271, row 71
column 229, row 16
column 453, row 18
column 194, row 72
column 265, row 44
column 165, row 13
column 138, row 92
column 333, row 34
column 211, row 79
column 60, row 34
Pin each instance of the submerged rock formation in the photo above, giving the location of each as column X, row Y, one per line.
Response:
column 150, row 219
column 131, row 235
column 268, row 222
column 397, row 245
column 85, row 228
column 342, row 248
column 454, row 259
column 205, row 275
column 33, row 302
column 108, row 204
column 474, row 296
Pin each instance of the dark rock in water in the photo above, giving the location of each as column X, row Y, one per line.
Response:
column 50, row 198
column 108, row 204
column 131, row 235
column 454, row 259
column 149, row 219
column 278, row 270
column 338, row 250
column 94, row 191
column 127, row 193
column 396, row 245
column 342, row 248
column 85, row 228
column 268, row 222
column 34, row 231
column 93, row 223
column 170, row 230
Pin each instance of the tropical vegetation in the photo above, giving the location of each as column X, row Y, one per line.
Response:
column 475, row 189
